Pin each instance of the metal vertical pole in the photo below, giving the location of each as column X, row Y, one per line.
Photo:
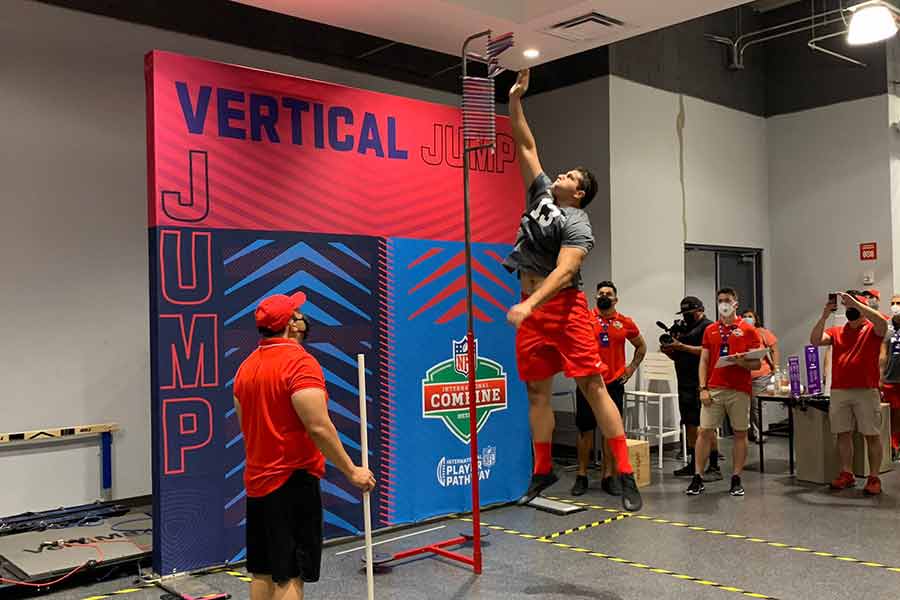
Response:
column 364, row 449
column 470, row 341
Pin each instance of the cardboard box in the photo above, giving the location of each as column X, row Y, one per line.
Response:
column 639, row 456
column 814, row 445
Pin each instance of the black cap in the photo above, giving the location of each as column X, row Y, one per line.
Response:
column 690, row 303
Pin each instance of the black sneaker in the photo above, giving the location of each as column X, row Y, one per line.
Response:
column 611, row 485
column 538, row 484
column 713, row 473
column 736, row 488
column 696, row 488
column 685, row 471
column 581, row 485
column 631, row 496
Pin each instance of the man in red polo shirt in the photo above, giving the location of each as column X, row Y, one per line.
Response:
column 282, row 404
column 725, row 389
column 855, row 398
column 613, row 330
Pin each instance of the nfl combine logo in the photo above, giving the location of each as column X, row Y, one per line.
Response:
column 445, row 391
column 461, row 356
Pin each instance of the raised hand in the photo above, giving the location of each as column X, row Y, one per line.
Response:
column 521, row 84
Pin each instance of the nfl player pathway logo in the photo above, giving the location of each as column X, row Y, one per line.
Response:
column 445, row 393
column 453, row 472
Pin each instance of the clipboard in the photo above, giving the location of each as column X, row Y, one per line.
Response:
column 728, row 361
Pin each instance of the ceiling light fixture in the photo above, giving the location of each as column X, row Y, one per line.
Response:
column 531, row 53
column 871, row 22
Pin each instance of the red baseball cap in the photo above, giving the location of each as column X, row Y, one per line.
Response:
column 873, row 292
column 275, row 312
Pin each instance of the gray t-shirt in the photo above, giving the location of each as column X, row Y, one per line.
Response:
column 544, row 229
column 892, row 372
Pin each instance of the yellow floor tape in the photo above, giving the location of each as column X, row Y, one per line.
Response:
column 550, row 541
column 733, row 536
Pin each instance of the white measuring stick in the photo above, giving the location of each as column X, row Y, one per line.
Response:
column 364, row 443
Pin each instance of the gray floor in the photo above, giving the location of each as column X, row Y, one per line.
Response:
column 712, row 546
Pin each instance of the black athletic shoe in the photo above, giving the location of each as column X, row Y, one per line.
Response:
column 736, row 488
column 631, row 496
column 611, row 485
column 538, row 484
column 696, row 488
column 581, row 485
column 685, row 471
column 713, row 473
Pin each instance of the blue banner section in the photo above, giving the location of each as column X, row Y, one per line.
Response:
column 205, row 287
column 427, row 442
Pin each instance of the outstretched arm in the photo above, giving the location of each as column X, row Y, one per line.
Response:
column 525, row 144
column 567, row 265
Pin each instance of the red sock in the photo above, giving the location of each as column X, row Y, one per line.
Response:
column 619, row 449
column 895, row 439
column 543, row 463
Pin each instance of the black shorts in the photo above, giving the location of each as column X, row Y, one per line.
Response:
column 284, row 531
column 584, row 416
column 689, row 405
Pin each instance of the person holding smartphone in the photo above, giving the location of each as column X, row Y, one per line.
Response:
column 855, row 398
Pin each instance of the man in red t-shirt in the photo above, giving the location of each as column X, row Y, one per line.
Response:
column 725, row 389
column 282, row 404
column 613, row 330
column 855, row 398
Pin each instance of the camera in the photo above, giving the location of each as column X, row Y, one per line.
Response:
column 678, row 328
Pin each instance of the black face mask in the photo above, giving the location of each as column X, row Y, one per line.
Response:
column 689, row 318
column 304, row 335
column 604, row 303
column 852, row 314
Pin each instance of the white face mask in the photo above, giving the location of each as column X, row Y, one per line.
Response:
column 749, row 320
column 726, row 309
column 895, row 309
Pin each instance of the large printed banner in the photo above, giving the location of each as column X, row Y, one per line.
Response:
column 261, row 183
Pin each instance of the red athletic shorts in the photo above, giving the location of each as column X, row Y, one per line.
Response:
column 559, row 336
column 891, row 394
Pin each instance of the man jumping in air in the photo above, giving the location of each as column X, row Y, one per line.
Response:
column 555, row 330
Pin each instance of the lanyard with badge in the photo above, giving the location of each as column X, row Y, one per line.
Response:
column 725, row 335
column 895, row 343
column 604, row 335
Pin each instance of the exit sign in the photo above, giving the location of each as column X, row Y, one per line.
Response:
column 868, row 251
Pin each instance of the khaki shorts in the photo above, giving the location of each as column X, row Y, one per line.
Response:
column 736, row 404
column 855, row 410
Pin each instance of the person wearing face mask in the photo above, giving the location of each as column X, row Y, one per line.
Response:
column 613, row 330
column 873, row 300
column 855, row 399
column 685, row 351
column 725, row 390
column 889, row 361
column 761, row 376
column 282, row 405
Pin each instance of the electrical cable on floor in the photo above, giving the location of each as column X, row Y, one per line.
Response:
column 117, row 527
column 62, row 544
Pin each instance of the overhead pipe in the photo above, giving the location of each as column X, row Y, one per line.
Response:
column 738, row 46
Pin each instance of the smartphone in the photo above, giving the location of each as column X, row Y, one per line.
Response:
column 832, row 299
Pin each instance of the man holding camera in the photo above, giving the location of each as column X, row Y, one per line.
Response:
column 855, row 398
column 613, row 329
column 682, row 343
column 725, row 388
